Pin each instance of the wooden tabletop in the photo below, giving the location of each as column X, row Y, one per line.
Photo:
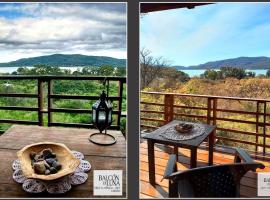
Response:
column 100, row 157
column 195, row 142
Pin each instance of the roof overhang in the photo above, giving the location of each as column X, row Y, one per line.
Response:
column 152, row 7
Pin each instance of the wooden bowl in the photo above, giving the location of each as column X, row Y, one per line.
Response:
column 64, row 155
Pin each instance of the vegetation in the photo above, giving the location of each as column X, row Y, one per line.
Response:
column 226, row 72
column 228, row 81
column 76, row 87
column 62, row 60
column 241, row 62
column 153, row 69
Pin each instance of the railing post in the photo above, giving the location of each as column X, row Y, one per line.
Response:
column 119, row 107
column 260, row 124
column 49, row 102
column 264, row 127
column 209, row 109
column 40, row 102
column 214, row 118
column 168, row 107
column 212, row 112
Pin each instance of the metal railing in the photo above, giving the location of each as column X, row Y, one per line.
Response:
column 49, row 96
column 250, row 118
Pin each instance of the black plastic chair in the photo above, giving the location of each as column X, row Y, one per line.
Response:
column 209, row 181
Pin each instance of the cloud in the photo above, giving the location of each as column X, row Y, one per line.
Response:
column 62, row 27
column 210, row 32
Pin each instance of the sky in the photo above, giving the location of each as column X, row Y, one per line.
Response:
column 36, row 29
column 207, row 33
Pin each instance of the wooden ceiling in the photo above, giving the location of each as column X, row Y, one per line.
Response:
column 152, row 7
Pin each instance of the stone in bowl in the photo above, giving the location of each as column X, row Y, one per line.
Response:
column 183, row 128
column 64, row 156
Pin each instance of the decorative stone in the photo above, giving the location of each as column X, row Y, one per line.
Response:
column 39, row 167
column 47, row 172
column 50, row 161
column 47, row 153
column 38, row 158
column 46, row 165
column 57, row 165
column 53, row 170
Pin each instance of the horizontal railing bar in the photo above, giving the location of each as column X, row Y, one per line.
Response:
column 241, row 141
column 190, row 107
column 154, row 104
column 11, row 121
column 76, row 125
column 18, row 108
column 208, row 96
column 151, row 119
column 152, row 111
column 235, row 120
column 82, row 97
column 57, row 77
column 241, row 112
column 237, row 131
column 18, row 95
column 71, row 110
column 189, row 115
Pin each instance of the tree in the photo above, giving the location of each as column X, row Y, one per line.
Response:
column 233, row 72
column 151, row 68
column 212, row 74
column 268, row 73
column 106, row 70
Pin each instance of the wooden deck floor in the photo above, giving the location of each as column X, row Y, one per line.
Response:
column 248, row 183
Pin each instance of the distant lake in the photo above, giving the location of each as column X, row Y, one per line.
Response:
column 198, row 72
column 12, row 69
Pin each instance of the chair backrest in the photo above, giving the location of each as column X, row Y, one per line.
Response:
column 213, row 181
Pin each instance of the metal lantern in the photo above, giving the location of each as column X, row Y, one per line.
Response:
column 102, row 119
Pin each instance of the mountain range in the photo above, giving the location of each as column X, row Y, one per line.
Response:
column 241, row 62
column 64, row 60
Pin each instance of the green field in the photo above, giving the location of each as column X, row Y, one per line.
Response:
column 76, row 87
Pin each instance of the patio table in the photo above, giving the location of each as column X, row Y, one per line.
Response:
column 100, row 157
column 192, row 144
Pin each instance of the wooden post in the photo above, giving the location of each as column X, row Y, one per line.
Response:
column 50, row 92
column 168, row 107
column 209, row 109
column 119, row 107
column 40, row 102
column 151, row 162
column 264, row 127
column 257, row 124
column 214, row 119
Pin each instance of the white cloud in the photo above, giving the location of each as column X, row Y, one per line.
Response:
column 62, row 27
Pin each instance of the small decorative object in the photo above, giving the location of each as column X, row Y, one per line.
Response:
column 183, row 131
column 184, row 128
column 102, row 119
column 58, row 186
column 47, row 161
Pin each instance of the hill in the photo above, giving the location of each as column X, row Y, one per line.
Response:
column 64, row 60
column 241, row 62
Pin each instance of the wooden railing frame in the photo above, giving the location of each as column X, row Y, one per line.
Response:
column 211, row 115
column 41, row 110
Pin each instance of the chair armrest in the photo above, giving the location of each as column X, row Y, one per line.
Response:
column 171, row 167
column 241, row 155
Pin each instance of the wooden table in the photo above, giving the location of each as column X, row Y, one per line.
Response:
column 100, row 157
column 191, row 144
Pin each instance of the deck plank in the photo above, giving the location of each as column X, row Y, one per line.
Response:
column 248, row 183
